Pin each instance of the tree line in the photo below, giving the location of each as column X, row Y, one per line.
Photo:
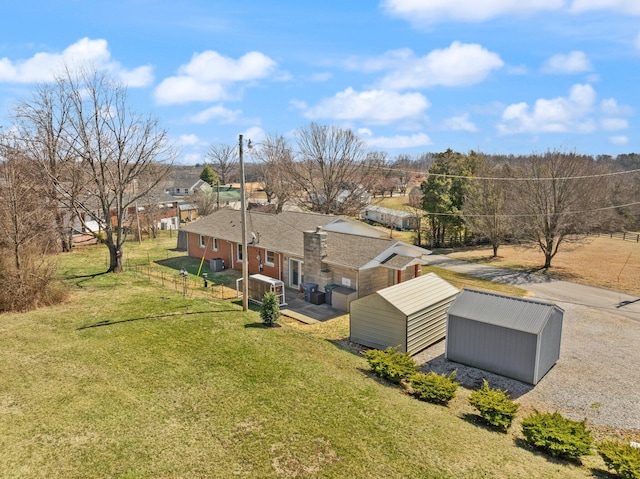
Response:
column 547, row 199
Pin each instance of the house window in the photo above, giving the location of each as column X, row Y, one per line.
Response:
column 214, row 244
column 203, row 241
column 239, row 253
column 270, row 258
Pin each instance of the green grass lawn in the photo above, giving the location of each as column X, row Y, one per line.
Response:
column 128, row 378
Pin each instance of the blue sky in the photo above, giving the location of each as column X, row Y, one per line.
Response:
column 409, row 76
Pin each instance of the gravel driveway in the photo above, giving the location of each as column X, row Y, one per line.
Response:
column 597, row 375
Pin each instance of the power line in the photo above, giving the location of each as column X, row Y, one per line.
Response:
column 532, row 215
column 508, row 178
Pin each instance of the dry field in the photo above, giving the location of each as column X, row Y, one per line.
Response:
column 600, row 261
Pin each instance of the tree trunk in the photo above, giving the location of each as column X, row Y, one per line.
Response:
column 495, row 250
column 115, row 259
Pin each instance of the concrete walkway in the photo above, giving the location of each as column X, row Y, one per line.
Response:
column 547, row 288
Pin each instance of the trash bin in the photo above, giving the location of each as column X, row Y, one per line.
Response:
column 309, row 288
column 328, row 288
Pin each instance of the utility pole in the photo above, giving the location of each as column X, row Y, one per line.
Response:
column 243, row 219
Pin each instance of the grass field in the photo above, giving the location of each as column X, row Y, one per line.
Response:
column 131, row 379
column 596, row 260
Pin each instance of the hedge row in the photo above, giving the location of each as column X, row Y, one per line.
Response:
column 550, row 432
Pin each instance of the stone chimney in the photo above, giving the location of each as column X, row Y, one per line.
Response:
column 315, row 251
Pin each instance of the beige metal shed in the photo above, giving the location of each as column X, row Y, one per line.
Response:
column 410, row 316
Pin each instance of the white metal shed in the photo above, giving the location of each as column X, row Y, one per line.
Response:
column 514, row 337
column 410, row 316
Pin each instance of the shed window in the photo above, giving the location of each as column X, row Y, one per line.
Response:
column 214, row 244
column 239, row 253
column 270, row 258
column 203, row 241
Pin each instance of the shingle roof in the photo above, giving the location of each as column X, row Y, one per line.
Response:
column 521, row 314
column 284, row 233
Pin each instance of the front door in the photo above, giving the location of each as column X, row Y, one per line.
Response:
column 295, row 273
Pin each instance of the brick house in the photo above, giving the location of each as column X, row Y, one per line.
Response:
column 297, row 247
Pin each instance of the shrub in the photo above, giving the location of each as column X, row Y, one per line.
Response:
column 391, row 364
column 621, row 457
column 36, row 284
column 433, row 387
column 270, row 310
column 557, row 435
column 494, row 406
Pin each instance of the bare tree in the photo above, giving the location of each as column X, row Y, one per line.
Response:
column 42, row 126
column 206, row 201
column 274, row 154
column 331, row 175
column 113, row 146
column 414, row 205
column 25, row 213
column 557, row 198
column 224, row 160
column 485, row 204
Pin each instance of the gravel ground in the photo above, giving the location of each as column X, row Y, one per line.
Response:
column 597, row 376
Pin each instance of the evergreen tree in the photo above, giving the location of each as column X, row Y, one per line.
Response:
column 209, row 175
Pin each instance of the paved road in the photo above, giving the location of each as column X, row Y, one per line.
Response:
column 546, row 288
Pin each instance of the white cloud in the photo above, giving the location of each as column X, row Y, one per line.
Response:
column 460, row 64
column 561, row 114
column 255, row 134
column 223, row 114
column 394, row 142
column 375, row 106
column 432, row 11
column 42, row 67
column 619, row 140
column 611, row 107
column 189, row 140
column 612, row 124
column 460, row 123
column 574, row 62
column 631, row 7
column 208, row 76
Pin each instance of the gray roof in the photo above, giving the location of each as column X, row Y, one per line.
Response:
column 419, row 293
column 353, row 250
column 520, row 314
column 284, row 233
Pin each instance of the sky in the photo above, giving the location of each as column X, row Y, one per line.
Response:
column 408, row 76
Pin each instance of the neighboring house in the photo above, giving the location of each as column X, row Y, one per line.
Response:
column 302, row 247
column 410, row 316
column 514, row 337
column 185, row 181
column 400, row 220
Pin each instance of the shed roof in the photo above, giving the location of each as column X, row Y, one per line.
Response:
column 520, row 314
column 419, row 293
